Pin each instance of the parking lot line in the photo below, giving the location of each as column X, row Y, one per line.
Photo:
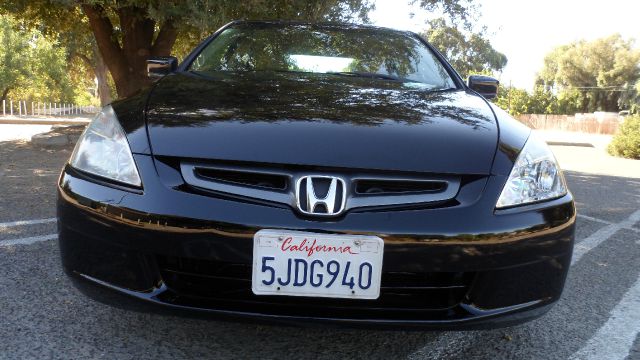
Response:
column 27, row 240
column 441, row 345
column 29, row 176
column 26, row 222
column 602, row 235
column 441, row 348
column 601, row 221
column 587, row 217
column 615, row 338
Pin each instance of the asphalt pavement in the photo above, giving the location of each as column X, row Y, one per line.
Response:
column 43, row 316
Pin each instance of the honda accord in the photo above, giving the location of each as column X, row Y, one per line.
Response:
column 320, row 173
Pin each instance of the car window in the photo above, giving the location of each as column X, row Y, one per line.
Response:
column 375, row 53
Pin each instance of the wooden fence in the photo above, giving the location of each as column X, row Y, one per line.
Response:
column 596, row 123
column 24, row 108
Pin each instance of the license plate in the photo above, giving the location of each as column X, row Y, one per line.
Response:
column 295, row 263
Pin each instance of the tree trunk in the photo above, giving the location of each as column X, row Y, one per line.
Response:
column 104, row 92
column 5, row 93
column 127, row 62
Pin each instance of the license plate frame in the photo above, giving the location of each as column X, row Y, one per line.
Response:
column 304, row 263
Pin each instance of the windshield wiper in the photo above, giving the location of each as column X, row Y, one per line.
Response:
column 370, row 75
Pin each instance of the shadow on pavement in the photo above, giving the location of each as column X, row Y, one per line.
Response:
column 610, row 198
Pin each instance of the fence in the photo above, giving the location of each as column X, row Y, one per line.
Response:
column 9, row 108
column 596, row 123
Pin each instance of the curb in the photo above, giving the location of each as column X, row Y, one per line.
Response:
column 567, row 143
column 58, row 136
column 50, row 139
column 44, row 121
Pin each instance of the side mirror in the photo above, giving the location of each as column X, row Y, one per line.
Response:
column 484, row 85
column 160, row 66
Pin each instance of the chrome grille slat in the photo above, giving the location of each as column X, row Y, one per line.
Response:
column 445, row 187
column 370, row 187
column 190, row 175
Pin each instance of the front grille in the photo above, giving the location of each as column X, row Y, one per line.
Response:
column 277, row 184
column 227, row 286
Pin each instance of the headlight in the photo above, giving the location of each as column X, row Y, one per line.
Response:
column 103, row 150
column 535, row 176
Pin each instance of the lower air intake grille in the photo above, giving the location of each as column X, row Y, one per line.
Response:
column 224, row 285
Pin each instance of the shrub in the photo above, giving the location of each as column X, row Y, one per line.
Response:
column 626, row 142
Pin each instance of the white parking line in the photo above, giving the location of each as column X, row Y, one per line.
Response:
column 615, row 338
column 601, row 221
column 27, row 241
column 620, row 323
column 587, row 217
column 441, row 346
column 29, row 176
column 602, row 235
column 26, row 222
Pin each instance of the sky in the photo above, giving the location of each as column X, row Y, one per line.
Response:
column 526, row 30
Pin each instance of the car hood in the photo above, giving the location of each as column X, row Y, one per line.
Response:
column 321, row 120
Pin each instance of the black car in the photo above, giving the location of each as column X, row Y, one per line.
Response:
column 317, row 173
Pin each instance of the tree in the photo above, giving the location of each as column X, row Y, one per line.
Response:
column 468, row 52
column 540, row 101
column 600, row 70
column 459, row 11
column 85, row 59
column 513, row 100
column 31, row 66
column 128, row 32
column 69, row 29
column 630, row 98
column 13, row 69
column 626, row 142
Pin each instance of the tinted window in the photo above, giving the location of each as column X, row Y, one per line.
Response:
column 343, row 51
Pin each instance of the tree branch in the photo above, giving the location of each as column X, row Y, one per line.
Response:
column 165, row 39
column 137, row 29
column 84, row 58
column 102, row 30
column 5, row 93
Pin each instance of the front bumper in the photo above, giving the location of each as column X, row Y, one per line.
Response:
column 463, row 266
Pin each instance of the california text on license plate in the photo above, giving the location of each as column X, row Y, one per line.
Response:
column 317, row 265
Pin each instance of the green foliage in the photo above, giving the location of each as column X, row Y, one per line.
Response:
column 597, row 72
column 512, row 100
column 32, row 67
column 468, row 52
column 458, row 11
column 630, row 99
column 626, row 142
column 13, row 69
column 582, row 77
column 541, row 102
column 519, row 101
column 569, row 101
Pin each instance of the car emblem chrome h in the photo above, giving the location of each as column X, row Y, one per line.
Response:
column 311, row 203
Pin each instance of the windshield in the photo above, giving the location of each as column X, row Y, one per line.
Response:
column 341, row 51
